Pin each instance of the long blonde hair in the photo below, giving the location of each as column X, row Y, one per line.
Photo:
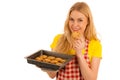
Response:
column 65, row 42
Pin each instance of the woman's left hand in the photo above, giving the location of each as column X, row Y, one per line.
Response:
column 79, row 45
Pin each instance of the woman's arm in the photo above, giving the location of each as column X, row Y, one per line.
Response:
column 89, row 73
column 51, row 74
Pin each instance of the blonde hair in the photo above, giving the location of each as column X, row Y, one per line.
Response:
column 65, row 41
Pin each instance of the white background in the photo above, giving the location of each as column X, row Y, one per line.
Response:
column 27, row 26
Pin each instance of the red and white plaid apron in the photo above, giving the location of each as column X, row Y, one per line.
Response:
column 72, row 71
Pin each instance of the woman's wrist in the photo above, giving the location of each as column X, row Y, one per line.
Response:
column 79, row 54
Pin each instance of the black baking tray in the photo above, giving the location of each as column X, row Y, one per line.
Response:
column 49, row 66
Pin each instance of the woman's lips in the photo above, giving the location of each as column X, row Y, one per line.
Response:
column 74, row 30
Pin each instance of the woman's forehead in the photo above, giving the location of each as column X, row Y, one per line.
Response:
column 77, row 14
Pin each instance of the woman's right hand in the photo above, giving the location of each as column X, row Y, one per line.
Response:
column 52, row 74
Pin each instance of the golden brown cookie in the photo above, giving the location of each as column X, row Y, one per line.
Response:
column 47, row 60
column 76, row 35
column 53, row 61
column 43, row 56
column 58, row 63
column 39, row 58
column 62, row 61
column 58, row 59
column 51, row 57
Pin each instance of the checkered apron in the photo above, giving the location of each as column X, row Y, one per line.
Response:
column 72, row 71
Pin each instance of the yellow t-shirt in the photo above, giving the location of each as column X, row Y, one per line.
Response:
column 94, row 48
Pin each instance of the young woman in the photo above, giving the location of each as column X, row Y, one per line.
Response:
column 86, row 47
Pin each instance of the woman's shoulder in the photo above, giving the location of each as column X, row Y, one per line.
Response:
column 94, row 42
column 57, row 36
column 95, row 48
column 55, row 40
column 95, row 45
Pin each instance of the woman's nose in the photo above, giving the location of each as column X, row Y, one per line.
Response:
column 75, row 23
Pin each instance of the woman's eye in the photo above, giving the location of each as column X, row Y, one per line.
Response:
column 80, row 20
column 71, row 19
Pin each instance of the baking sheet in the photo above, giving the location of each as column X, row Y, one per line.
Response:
column 48, row 66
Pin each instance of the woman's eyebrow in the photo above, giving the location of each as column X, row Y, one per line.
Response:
column 81, row 18
column 70, row 17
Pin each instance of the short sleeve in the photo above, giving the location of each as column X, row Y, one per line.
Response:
column 55, row 40
column 95, row 49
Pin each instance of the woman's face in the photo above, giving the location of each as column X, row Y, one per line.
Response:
column 77, row 22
